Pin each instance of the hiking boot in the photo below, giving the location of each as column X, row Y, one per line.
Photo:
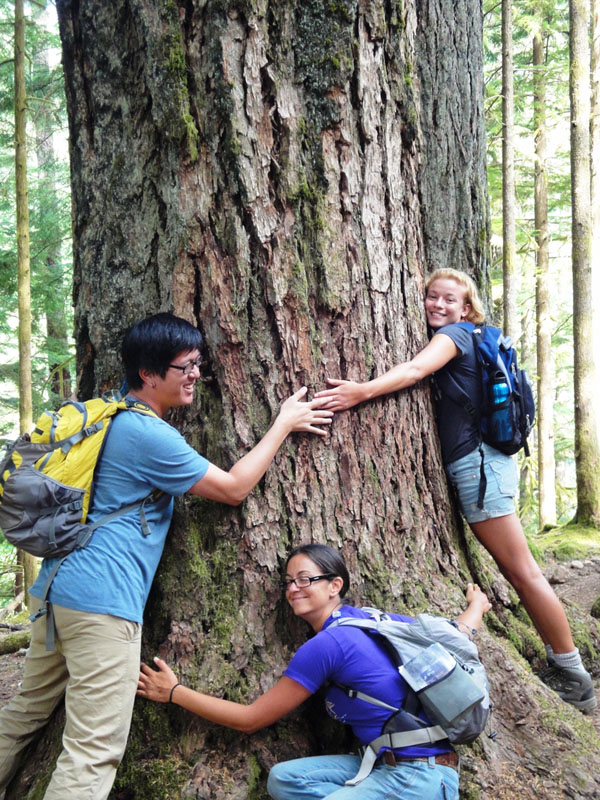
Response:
column 572, row 684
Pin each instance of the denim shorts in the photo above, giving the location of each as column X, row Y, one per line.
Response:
column 501, row 474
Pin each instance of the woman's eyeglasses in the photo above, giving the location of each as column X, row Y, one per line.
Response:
column 187, row 368
column 305, row 580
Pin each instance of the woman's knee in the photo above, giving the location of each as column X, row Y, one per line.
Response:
column 277, row 780
column 526, row 576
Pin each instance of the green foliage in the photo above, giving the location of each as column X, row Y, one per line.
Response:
column 8, row 568
column 525, row 23
column 49, row 209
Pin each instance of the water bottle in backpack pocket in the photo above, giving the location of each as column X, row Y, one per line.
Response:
column 501, row 417
column 446, row 691
column 507, row 412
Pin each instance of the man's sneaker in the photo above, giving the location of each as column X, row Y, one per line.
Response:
column 572, row 684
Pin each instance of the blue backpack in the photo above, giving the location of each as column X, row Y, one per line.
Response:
column 507, row 412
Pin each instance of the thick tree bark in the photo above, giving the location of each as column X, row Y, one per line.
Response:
column 545, row 364
column 283, row 174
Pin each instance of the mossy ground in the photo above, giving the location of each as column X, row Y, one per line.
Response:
column 14, row 642
column 567, row 542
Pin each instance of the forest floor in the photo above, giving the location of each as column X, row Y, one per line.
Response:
column 581, row 584
column 576, row 581
column 11, row 665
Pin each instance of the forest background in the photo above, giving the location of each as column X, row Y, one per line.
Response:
column 53, row 361
column 53, row 352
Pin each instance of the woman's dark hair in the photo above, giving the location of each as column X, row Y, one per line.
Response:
column 153, row 343
column 327, row 560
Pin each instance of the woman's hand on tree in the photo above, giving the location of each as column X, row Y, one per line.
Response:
column 476, row 597
column 297, row 415
column 477, row 605
column 156, row 684
column 342, row 395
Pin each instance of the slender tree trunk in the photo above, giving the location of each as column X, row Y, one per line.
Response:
column 587, row 443
column 595, row 173
column 282, row 174
column 56, row 319
column 509, row 268
column 26, row 561
column 545, row 364
column 23, row 266
column 526, row 509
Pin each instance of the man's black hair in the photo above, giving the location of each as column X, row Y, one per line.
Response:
column 152, row 343
column 327, row 559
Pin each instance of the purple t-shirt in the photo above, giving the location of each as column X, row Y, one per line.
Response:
column 356, row 659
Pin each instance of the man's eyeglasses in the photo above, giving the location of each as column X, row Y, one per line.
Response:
column 187, row 368
column 305, row 580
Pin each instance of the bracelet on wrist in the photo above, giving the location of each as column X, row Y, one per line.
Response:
column 172, row 690
column 459, row 625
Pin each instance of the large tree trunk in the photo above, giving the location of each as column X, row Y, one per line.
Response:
column 283, row 174
column 22, row 219
column 595, row 169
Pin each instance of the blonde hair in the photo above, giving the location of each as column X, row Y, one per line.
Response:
column 476, row 311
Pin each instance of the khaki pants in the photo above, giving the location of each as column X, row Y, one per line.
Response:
column 96, row 662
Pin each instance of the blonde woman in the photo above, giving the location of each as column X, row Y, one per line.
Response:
column 451, row 299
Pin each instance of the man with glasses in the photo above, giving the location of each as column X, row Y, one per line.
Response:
column 99, row 592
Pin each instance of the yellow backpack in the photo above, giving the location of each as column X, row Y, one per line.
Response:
column 47, row 478
column 47, row 485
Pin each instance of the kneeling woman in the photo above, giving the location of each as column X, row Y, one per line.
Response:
column 316, row 581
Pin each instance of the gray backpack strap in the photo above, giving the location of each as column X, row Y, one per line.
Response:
column 84, row 537
column 47, row 610
column 358, row 622
column 355, row 694
column 394, row 740
column 50, row 628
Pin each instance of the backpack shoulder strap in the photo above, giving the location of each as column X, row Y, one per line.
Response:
column 135, row 404
column 355, row 694
column 453, row 389
column 411, row 702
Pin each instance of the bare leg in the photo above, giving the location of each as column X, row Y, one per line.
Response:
column 504, row 539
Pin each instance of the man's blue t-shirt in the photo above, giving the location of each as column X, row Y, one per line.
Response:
column 113, row 574
column 458, row 431
column 358, row 660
